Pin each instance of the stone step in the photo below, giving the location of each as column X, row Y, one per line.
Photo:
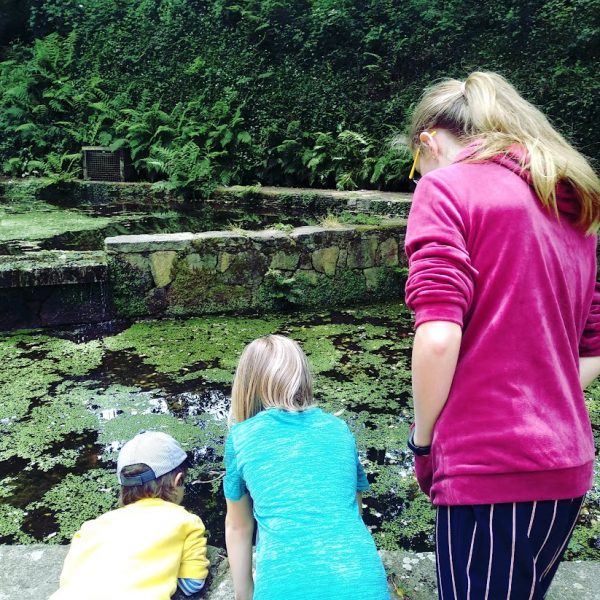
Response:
column 52, row 267
column 32, row 573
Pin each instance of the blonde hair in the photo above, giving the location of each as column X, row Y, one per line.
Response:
column 487, row 108
column 273, row 371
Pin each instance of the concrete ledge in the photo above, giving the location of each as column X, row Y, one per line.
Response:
column 32, row 573
column 316, row 201
column 52, row 267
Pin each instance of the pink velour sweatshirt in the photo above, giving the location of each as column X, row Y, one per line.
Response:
column 521, row 281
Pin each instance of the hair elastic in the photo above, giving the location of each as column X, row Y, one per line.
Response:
column 463, row 86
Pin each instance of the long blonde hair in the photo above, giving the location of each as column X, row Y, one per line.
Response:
column 273, row 372
column 486, row 107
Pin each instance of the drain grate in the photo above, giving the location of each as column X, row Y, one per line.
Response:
column 102, row 164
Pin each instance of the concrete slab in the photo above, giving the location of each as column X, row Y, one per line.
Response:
column 32, row 573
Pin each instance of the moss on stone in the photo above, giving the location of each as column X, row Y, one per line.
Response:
column 311, row 290
column 325, row 260
column 129, row 285
column 196, row 290
column 161, row 265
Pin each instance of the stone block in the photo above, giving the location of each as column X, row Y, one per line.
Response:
column 246, row 268
column 213, row 242
column 311, row 277
column 225, row 259
column 138, row 261
column 148, row 242
column 267, row 234
column 363, row 253
column 161, row 264
column 284, row 261
column 52, row 267
column 372, row 277
column 387, row 254
column 207, row 262
column 325, row 260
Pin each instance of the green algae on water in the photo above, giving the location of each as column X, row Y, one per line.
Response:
column 11, row 522
column 31, row 364
column 38, row 438
column 78, row 498
column 173, row 346
column 71, row 406
column 38, row 221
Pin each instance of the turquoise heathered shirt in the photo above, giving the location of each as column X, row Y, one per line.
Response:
column 302, row 472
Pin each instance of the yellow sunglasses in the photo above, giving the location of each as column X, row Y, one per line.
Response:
column 411, row 175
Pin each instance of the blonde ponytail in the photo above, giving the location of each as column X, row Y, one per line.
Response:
column 486, row 107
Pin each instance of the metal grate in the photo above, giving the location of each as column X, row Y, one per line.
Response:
column 102, row 164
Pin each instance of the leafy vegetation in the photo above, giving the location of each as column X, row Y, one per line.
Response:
column 280, row 92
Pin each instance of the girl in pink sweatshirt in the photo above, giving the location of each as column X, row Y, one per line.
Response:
column 502, row 253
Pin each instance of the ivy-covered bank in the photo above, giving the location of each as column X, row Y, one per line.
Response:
column 285, row 92
column 71, row 399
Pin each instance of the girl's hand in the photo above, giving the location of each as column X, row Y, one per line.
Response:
column 424, row 473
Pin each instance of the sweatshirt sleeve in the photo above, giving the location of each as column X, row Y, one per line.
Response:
column 441, row 277
column 194, row 562
column 589, row 345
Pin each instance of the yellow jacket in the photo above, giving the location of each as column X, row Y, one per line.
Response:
column 134, row 552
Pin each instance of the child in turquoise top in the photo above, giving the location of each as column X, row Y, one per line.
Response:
column 294, row 469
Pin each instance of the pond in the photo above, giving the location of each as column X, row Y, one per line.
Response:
column 30, row 224
column 71, row 398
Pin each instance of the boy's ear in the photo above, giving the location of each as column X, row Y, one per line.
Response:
column 178, row 479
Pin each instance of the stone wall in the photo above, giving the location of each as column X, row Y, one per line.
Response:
column 51, row 288
column 190, row 274
column 311, row 201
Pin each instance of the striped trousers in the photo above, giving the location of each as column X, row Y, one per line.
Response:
column 502, row 551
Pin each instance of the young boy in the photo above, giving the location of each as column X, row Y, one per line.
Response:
column 150, row 545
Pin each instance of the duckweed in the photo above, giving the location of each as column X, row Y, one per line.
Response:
column 78, row 498
column 204, row 345
column 68, row 407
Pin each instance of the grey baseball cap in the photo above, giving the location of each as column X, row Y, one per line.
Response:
column 158, row 450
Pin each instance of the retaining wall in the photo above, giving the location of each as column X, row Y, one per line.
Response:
column 191, row 274
column 51, row 288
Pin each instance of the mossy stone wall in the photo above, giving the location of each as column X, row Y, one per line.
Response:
column 49, row 288
column 192, row 274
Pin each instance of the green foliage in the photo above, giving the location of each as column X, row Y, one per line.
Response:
column 277, row 91
column 359, row 219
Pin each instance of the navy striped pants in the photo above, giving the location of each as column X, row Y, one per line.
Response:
column 502, row 551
